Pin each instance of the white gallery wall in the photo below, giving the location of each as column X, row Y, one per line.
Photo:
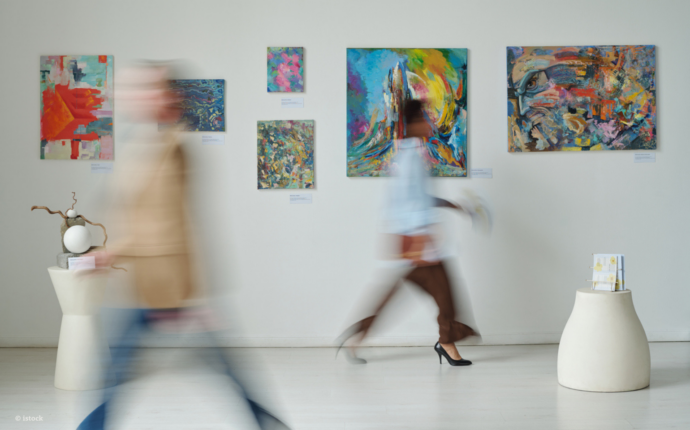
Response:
column 293, row 275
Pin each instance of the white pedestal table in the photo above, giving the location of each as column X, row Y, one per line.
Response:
column 83, row 354
column 604, row 347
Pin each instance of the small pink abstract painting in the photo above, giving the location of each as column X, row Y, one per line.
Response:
column 285, row 70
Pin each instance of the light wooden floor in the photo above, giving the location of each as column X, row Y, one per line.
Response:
column 509, row 387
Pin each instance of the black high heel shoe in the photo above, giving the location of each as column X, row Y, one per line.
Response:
column 442, row 352
column 351, row 357
column 263, row 417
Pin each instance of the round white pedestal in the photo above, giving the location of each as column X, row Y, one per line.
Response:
column 83, row 354
column 603, row 347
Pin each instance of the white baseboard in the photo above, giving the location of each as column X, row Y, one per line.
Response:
column 164, row 341
column 28, row 341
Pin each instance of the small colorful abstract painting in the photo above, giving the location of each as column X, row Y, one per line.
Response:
column 581, row 98
column 203, row 104
column 380, row 81
column 285, row 70
column 77, row 107
column 285, row 154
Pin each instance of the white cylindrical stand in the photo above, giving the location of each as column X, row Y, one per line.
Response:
column 83, row 354
column 603, row 347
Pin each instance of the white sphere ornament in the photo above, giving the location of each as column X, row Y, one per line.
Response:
column 77, row 239
column 71, row 213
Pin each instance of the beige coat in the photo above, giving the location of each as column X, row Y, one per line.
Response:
column 152, row 209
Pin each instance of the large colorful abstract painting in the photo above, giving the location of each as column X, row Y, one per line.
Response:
column 285, row 156
column 77, row 107
column 581, row 98
column 380, row 81
column 203, row 104
column 285, row 70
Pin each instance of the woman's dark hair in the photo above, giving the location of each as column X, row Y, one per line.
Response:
column 413, row 111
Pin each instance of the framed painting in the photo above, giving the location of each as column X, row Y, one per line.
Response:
column 203, row 104
column 76, row 107
column 285, row 70
column 285, row 154
column 581, row 98
column 379, row 83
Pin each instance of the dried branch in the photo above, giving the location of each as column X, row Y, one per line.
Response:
column 49, row 211
column 82, row 217
column 95, row 223
column 74, row 196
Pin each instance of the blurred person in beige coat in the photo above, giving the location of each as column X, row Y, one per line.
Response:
column 150, row 194
column 152, row 216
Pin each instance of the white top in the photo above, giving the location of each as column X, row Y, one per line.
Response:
column 409, row 209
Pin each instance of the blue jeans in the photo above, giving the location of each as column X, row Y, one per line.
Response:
column 123, row 354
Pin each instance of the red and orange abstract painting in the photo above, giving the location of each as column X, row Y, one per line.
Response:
column 77, row 107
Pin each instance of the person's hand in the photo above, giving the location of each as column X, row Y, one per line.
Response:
column 413, row 248
column 104, row 259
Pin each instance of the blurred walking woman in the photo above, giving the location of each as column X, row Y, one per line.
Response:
column 410, row 214
column 153, row 212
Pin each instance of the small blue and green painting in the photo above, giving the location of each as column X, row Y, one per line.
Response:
column 203, row 103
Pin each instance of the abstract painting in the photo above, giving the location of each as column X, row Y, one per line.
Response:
column 581, row 98
column 380, row 82
column 77, row 107
column 285, row 154
column 203, row 104
column 285, row 70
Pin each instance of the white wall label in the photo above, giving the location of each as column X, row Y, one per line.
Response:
column 648, row 157
column 213, row 139
column 300, row 199
column 292, row 102
column 81, row 263
column 101, row 167
column 486, row 173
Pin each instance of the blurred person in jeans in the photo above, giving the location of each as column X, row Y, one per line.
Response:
column 150, row 191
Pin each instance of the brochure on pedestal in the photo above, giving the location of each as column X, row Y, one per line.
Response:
column 608, row 272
